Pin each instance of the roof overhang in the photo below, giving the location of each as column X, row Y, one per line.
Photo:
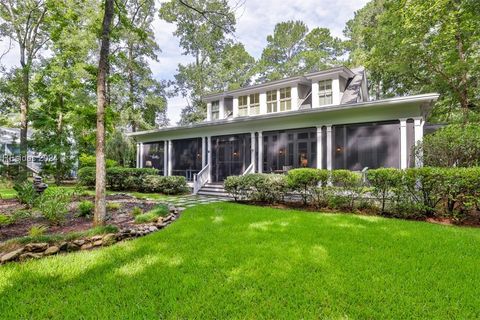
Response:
column 379, row 110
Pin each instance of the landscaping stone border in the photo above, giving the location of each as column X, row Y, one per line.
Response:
column 40, row 250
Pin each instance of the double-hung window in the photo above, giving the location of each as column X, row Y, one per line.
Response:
column 254, row 104
column 215, row 110
column 272, row 101
column 285, row 99
column 325, row 92
column 242, row 106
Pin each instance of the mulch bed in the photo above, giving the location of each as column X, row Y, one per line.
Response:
column 120, row 218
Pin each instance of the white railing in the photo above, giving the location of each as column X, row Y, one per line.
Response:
column 248, row 170
column 200, row 179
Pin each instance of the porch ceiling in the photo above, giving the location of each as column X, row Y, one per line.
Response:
column 382, row 110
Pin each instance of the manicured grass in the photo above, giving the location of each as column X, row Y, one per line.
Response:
column 225, row 260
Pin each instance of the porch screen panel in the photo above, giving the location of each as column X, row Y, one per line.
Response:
column 187, row 157
column 372, row 145
column 284, row 150
column 231, row 155
column 153, row 155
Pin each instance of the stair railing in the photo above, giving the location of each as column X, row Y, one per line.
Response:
column 248, row 170
column 200, row 179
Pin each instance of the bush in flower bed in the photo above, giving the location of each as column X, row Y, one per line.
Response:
column 162, row 184
column 135, row 179
column 269, row 188
column 412, row 193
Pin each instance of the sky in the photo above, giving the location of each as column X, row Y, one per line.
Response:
column 256, row 19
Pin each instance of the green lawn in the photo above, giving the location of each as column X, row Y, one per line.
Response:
column 234, row 261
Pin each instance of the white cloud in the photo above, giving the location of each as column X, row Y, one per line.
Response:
column 255, row 20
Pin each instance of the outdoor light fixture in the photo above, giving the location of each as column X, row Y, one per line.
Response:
column 339, row 149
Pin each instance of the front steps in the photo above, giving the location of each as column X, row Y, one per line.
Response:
column 213, row 189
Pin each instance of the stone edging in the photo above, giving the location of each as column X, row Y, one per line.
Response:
column 40, row 250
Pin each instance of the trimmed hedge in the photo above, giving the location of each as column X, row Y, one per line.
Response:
column 411, row 193
column 135, row 179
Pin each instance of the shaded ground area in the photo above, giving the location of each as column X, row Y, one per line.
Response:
column 119, row 217
column 228, row 260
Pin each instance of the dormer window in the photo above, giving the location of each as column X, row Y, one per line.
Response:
column 242, row 106
column 254, row 104
column 325, row 92
column 215, row 110
column 272, row 101
column 285, row 99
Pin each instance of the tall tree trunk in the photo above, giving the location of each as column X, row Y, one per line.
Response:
column 100, row 184
column 131, row 87
column 24, row 105
column 58, row 155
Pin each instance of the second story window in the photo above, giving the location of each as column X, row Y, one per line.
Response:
column 215, row 110
column 272, row 101
column 254, row 103
column 285, row 99
column 242, row 106
column 325, row 92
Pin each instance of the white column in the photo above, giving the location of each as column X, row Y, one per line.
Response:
column 140, row 158
column 260, row 152
column 418, row 133
column 329, row 147
column 209, row 156
column 263, row 103
column 221, row 110
column 165, row 157
column 170, row 158
column 138, row 155
column 319, row 147
column 252, row 149
column 336, row 91
column 315, row 101
column 209, row 111
column 235, row 107
column 403, row 144
column 204, row 152
column 294, row 95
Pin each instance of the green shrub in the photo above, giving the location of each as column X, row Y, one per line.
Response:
column 234, row 187
column 349, row 184
column 26, row 193
column 384, row 181
column 118, row 178
column 136, row 211
column 165, row 185
column 37, row 231
column 86, row 176
column 461, row 190
column 113, row 206
column 85, row 208
column 304, row 181
column 5, row 220
column 269, row 188
column 454, row 145
column 53, row 205
column 425, row 186
column 339, row 202
column 160, row 210
column 91, row 161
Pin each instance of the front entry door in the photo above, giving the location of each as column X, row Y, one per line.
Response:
column 231, row 155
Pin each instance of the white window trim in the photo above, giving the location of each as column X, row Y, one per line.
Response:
column 318, row 93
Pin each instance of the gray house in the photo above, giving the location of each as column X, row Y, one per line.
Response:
column 321, row 120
